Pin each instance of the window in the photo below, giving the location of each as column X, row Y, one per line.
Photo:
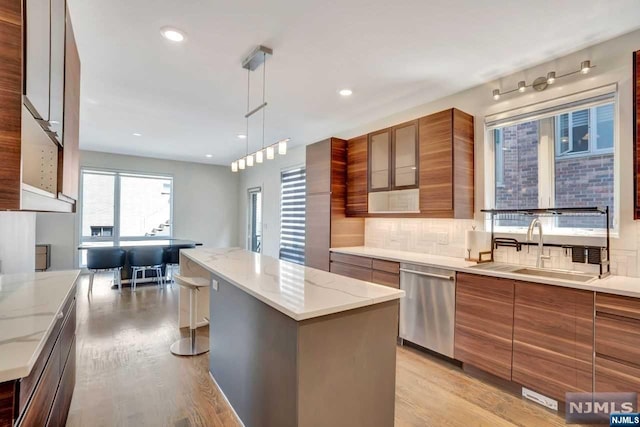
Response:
column 562, row 159
column 117, row 205
column 292, row 214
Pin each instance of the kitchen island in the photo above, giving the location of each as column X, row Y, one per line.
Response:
column 296, row 346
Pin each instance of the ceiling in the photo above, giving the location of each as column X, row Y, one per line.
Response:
column 188, row 100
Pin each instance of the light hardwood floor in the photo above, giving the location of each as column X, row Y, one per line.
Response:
column 126, row 375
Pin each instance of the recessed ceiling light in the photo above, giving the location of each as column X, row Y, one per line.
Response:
column 137, row 134
column 208, row 155
column 242, row 136
column 172, row 34
column 345, row 92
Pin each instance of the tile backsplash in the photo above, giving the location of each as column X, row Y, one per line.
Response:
column 446, row 237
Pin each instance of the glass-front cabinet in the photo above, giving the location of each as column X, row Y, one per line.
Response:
column 380, row 161
column 393, row 158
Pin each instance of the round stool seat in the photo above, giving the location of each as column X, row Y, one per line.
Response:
column 192, row 345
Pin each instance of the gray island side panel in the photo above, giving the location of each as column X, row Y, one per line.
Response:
column 336, row 370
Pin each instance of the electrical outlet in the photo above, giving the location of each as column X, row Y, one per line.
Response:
column 214, row 284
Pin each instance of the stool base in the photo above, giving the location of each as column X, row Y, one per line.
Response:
column 190, row 346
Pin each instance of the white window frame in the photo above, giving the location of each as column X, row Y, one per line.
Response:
column 546, row 176
column 116, row 205
column 593, row 130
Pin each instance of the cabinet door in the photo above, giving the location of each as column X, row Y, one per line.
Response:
column 484, row 323
column 380, row 161
column 436, row 162
column 319, row 167
column 318, row 231
column 70, row 175
column 636, row 132
column 357, row 195
column 405, row 156
column 56, row 99
column 38, row 38
column 553, row 339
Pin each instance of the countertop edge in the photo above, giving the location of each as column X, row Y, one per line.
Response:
column 24, row 370
column 309, row 315
column 594, row 286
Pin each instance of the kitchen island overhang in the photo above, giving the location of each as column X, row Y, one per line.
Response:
column 296, row 346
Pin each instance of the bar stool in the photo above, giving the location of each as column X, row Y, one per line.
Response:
column 192, row 345
column 145, row 259
column 171, row 258
column 106, row 259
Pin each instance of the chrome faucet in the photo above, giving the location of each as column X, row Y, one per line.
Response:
column 536, row 223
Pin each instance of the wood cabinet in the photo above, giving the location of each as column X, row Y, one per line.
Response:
column 434, row 154
column 357, row 203
column 36, row 172
column 636, row 134
column 484, row 323
column 43, row 398
column 617, row 341
column 381, row 272
column 553, row 339
column 327, row 224
column 447, row 164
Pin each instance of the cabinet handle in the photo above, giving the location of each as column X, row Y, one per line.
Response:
column 60, row 315
column 422, row 273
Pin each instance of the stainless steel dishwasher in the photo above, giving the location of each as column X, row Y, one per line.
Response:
column 427, row 311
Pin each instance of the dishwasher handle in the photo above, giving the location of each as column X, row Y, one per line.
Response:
column 422, row 273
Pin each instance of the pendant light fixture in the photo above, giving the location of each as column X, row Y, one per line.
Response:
column 251, row 63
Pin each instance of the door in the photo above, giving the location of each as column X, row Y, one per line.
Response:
column 254, row 241
column 380, row 161
column 405, row 156
column 38, row 42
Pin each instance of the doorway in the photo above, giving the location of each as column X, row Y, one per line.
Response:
column 254, row 240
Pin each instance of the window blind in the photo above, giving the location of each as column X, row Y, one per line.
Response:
column 292, row 215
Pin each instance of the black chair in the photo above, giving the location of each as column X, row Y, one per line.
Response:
column 145, row 259
column 106, row 259
column 171, row 258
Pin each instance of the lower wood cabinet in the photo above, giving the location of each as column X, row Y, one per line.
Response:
column 43, row 398
column 484, row 323
column 553, row 339
column 380, row 272
column 617, row 331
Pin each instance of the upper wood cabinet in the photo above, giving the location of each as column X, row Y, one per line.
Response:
column 636, row 133
column 393, row 156
column 357, row 203
column 380, row 160
column 447, row 165
column 35, row 171
column 327, row 225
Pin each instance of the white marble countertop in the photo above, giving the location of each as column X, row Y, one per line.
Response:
column 29, row 304
column 618, row 285
column 299, row 292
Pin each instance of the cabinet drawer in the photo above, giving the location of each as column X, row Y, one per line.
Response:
column 352, row 271
column 41, row 249
column 618, row 305
column 37, row 412
column 618, row 337
column 386, row 279
column 62, row 402
column 612, row 376
column 388, row 266
column 41, row 261
column 67, row 336
column 351, row 259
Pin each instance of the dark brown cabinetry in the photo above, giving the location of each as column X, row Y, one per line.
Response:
column 434, row 154
column 636, row 133
column 36, row 172
column 43, row 398
column 484, row 323
column 326, row 222
column 617, row 328
column 553, row 339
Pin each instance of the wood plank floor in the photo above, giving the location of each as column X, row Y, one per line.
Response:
column 126, row 375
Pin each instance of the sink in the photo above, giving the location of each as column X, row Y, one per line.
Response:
column 562, row 275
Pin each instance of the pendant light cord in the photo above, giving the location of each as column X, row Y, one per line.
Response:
column 264, row 89
column 248, row 104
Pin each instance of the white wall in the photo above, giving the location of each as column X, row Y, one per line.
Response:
column 205, row 204
column 267, row 176
column 17, row 242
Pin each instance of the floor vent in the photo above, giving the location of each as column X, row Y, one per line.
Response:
column 540, row 399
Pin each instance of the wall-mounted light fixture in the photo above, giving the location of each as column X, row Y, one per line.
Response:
column 541, row 83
